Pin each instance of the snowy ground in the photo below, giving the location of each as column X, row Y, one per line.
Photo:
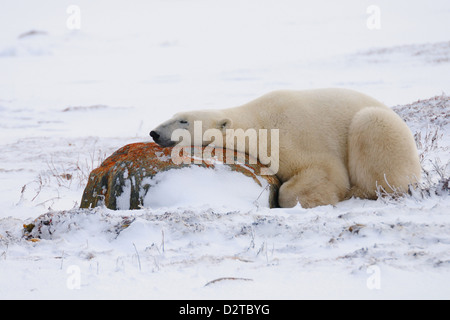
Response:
column 69, row 98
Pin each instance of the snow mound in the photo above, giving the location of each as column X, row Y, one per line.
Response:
column 429, row 120
column 422, row 113
column 193, row 186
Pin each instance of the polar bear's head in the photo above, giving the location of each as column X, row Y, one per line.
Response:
column 195, row 124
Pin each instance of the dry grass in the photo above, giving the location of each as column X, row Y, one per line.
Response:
column 63, row 174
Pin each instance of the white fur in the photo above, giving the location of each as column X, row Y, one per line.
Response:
column 333, row 143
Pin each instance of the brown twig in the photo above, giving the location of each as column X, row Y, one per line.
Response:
column 225, row 279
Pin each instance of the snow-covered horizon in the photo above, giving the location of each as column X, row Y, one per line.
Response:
column 70, row 97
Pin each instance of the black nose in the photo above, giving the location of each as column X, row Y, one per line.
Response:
column 155, row 135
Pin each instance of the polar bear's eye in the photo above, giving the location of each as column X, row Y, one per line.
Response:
column 183, row 121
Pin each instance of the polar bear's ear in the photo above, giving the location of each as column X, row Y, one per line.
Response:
column 225, row 124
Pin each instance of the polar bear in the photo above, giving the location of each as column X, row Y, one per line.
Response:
column 333, row 143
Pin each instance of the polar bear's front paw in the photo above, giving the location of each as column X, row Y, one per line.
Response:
column 312, row 188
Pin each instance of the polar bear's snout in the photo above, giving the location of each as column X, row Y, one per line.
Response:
column 155, row 135
column 161, row 137
column 162, row 134
column 161, row 140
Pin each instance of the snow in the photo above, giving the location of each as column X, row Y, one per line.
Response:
column 194, row 186
column 70, row 98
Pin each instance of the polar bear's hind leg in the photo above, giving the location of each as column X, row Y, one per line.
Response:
column 381, row 153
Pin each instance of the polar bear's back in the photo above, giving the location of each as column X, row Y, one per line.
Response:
column 304, row 106
column 323, row 113
column 313, row 122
